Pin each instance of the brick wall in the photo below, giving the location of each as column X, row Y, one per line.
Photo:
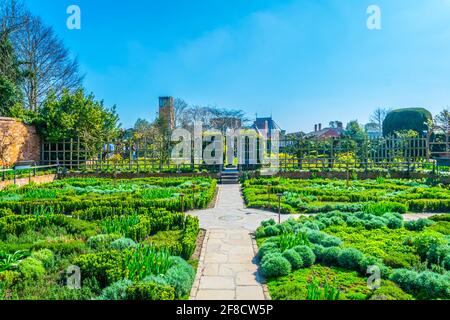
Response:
column 18, row 142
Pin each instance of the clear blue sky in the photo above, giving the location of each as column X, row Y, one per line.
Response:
column 303, row 61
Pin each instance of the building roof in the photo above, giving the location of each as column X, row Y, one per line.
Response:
column 325, row 133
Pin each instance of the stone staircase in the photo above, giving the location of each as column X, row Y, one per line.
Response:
column 230, row 175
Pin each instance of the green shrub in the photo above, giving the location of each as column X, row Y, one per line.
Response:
column 394, row 221
column 106, row 267
column 150, row 291
column 268, row 247
column 46, row 256
column 350, row 258
column 116, row 291
column 437, row 253
column 275, row 265
column 122, row 244
column 424, row 285
column 31, row 269
column 307, row 255
column 5, row 212
column 330, row 256
column 418, row 225
column 181, row 276
column 294, row 259
column 102, row 241
column 267, row 223
column 271, row 231
column 446, row 263
column 375, row 223
column 323, row 239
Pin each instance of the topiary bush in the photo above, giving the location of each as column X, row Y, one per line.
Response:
column 181, row 276
column 275, row 265
column 350, row 258
column 294, row 259
column 102, row 241
column 307, row 255
column 268, row 247
column 330, row 256
column 418, row 225
column 394, row 220
column 31, row 269
column 122, row 244
column 46, row 256
column 271, row 231
column 116, row 291
column 150, row 291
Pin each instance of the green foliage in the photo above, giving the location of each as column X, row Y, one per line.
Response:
column 11, row 261
column 74, row 115
column 424, row 285
column 9, row 96
column 307, row 255
column 150, row 291
column 268, row 247
column 143, row 261
column 294, row 259
column 418, row 225
column 350, row 258
column 46, row 256
column 31, row 269
column 122, row 244
column 325, row 292
column 406, row 119
column 181, row 276
column 116, row 291
column 102, row 241
column 275, row 265
column 105, row 267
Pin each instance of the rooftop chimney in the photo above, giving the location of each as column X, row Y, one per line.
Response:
column 315, row 128
column 320, row 127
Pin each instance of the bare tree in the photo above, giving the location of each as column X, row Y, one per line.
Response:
column 180, row 107
column 12, row 14
column 378, row 117
column 47, row 63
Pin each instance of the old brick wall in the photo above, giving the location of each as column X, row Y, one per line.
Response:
column 18, row 142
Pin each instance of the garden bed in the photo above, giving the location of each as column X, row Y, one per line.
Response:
column 337, row 256
column 127, row 237
column 325, row 195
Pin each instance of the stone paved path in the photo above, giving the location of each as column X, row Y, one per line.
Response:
column 227, row 268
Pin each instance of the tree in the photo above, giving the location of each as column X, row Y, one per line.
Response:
column 407, row 119
column 355, row 131
column 76, row 115
column 9, row 96
column 9, row 64
column 378, row 117
column 180, row 107
column 47, row 63
column 142, row 129
column 442, row 120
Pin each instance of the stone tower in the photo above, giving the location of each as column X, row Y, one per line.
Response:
column 167, row 111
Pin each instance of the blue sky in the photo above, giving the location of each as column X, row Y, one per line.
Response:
column 302, row 61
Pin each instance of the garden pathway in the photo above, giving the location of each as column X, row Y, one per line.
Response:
column 227, row 268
